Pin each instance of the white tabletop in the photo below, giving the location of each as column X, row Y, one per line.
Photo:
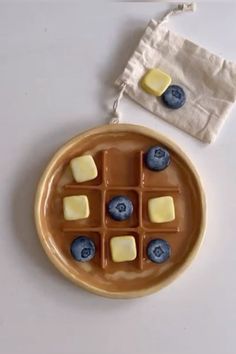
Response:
column 57, row 67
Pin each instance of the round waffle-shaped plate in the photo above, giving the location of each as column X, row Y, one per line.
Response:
column 118, row 152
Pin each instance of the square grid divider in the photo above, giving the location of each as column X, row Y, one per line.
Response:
column 104, row 187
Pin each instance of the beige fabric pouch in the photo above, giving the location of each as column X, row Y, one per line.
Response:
column 209, row 81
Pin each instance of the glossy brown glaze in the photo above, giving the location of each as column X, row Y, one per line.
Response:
column 121, row 171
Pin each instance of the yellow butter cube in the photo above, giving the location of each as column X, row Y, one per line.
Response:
column 83, row 168
column 123, row 248
column 76, row 207
column 155, row 82
column 161, row 209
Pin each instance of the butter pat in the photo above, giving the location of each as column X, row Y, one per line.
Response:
column 83, row 168
column 161, row 209
column 123, row 248
column 76, row 207
column 155, row 82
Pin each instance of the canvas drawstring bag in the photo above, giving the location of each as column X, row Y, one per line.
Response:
column 209, row 81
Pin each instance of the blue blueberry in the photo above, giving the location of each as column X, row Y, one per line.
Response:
column 174, row 97
column 120, row 208
column 82, row 249
column 158, row 251
column 157, row 158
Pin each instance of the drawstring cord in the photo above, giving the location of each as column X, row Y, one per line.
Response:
column 185, row 7
column 115, row 112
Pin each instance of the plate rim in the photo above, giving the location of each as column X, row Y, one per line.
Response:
column 62, row 268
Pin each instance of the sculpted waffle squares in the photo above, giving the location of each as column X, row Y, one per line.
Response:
column 120, row 208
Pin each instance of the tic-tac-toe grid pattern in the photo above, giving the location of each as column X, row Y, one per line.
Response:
column 100, row 221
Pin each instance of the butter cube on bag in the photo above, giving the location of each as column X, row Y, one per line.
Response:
column 155, row 82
